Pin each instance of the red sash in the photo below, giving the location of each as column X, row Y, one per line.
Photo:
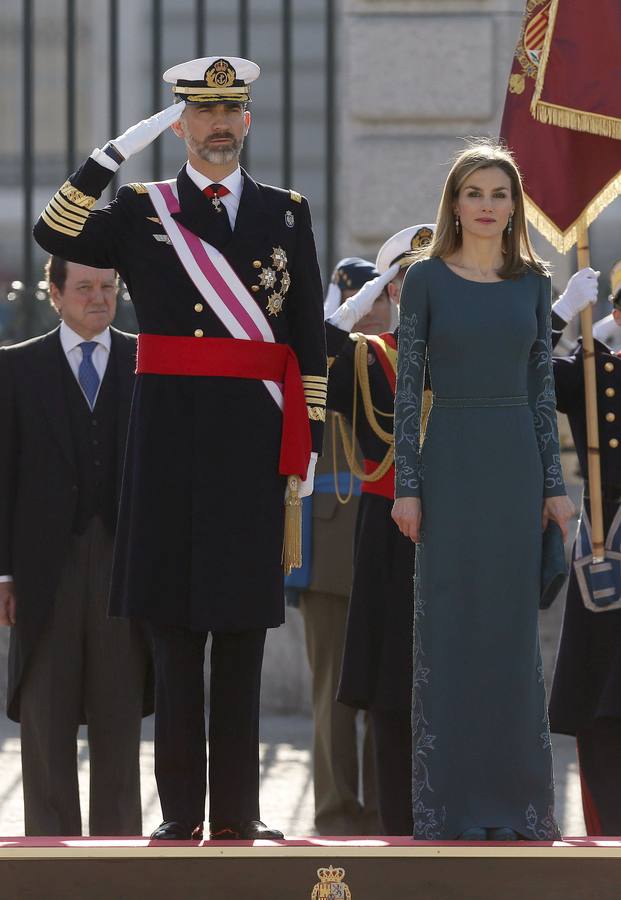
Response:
column 160, row 354
column 384, row 486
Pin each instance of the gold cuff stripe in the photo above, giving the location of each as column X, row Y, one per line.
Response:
column 312, row 397
column 71, row 207
column 320, row 379
column 63, row 213
column 66, row 218
column 61, row 220
column 317, row 413
column 52, row 224
column 72, row 194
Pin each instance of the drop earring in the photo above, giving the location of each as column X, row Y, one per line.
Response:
column 510, row 225
column 456, row 224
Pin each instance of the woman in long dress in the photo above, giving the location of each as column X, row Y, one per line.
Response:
column 475, row 500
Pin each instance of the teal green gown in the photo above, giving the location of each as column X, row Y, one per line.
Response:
column 482, row 752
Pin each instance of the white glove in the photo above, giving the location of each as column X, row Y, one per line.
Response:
column 580, row 291
column 138, row 136
column 362, row 302
column 306, row 487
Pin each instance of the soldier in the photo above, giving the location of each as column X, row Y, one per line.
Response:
column 323, row 603
column 585, row 700
column 377, row 660
column 224, row 277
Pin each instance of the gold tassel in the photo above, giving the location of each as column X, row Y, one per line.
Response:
column 292, row 545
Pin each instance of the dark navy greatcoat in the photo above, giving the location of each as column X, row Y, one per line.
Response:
column 587, row 679
column 377, row 659
column 200, row 528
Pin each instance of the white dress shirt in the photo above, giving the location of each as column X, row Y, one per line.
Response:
column 70, row 342
column 234, row 182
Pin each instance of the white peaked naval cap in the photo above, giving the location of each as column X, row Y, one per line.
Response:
column 401, row 247
column 213, row 79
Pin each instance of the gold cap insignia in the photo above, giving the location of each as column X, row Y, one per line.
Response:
column 421, row 238
column 220, row 74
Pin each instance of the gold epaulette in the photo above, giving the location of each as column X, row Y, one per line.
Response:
column 138, row 187
column 295, row 196
column 68, row 210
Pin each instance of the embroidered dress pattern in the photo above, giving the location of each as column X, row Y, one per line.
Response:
column 412, row 351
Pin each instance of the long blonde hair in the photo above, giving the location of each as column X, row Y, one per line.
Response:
column 518, row 252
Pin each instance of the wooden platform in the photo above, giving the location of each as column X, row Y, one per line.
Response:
column 371, row 868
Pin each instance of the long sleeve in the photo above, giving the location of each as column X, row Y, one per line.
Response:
column 413, row 331
column 8, row 462
column 69, row 226
column 542, row 397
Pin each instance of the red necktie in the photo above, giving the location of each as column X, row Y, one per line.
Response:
column 214, row 192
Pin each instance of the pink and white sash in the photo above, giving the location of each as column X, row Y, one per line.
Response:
column 214, row 277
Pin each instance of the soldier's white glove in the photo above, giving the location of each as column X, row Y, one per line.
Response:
column 580, row 291
column 362, row 302
column 137, row 137
column 306, row 487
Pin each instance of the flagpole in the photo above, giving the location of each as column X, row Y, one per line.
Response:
column 590, row 396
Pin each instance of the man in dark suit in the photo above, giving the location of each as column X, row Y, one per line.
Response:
column 224, row 278
column 64, row 407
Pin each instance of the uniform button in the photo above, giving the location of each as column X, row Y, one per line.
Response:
column 609, row 367
column 198, row 307
column 94, row 422
column 614, row 443
column 198, row 332
column 610, row 417
column 98, row 461
column 257, row 264
column 610, row 392
column 254, row 288
column 95, row 443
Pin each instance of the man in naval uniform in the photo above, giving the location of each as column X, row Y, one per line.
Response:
column 377, row 660
column 585, row 700
column 229, row 403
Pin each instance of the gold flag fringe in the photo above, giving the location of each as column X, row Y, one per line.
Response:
column 563, row 241
column 292, row 544
column 566, row 116
column 577, row 120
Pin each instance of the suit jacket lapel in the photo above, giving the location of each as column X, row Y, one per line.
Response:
column 48, row 384
column 198, row 214
column 249, row 224
column 123, row 358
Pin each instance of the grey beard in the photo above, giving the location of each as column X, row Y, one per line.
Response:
column 217, row 157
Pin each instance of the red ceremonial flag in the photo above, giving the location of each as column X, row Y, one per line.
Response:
column 566, row 67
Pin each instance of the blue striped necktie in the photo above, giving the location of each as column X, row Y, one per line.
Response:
column 87, row 373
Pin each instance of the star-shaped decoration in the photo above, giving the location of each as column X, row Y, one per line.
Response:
column 285, row 282
column 267, row 278
column 279, row 258
column 274, row 303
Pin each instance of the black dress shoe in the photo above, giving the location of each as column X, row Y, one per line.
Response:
column 244, row 831
column 177, row 831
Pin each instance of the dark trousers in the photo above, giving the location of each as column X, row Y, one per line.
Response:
column 392, row 731
column 599, row 754
column 180, row 751
column 84, row 665
column 338, row 810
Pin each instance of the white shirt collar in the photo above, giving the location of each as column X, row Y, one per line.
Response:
column 69, row 339
column 234, row 182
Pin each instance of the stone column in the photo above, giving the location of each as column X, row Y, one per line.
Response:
column 417, row 77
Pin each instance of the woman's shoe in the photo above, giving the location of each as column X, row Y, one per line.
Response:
column 502, row 834
column 473, row 834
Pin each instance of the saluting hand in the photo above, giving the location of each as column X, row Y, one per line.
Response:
column 139, row 136
column 408, row 514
